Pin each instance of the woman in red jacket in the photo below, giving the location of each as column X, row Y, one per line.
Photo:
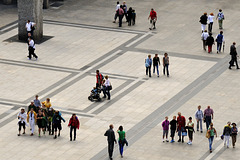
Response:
column 74, row 125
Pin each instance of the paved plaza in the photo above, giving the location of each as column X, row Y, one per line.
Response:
column 81, row 38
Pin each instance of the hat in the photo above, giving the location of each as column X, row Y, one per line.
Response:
column 234, row 124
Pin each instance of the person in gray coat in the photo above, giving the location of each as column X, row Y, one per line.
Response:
column 199, row 118
column 111, row 139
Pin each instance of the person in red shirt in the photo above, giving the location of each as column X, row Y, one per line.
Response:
column 153, row 19
column 74, row 125
column 181, row 122
column 99, row 78
column 121, row 14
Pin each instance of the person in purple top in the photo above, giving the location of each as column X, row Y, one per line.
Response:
column 208, row 116
column 165, row 125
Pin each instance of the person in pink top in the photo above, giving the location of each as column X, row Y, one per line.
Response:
column 165, row 125
column 120, row 14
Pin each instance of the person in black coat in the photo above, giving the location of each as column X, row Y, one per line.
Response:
column 111, row 139
column 233, row 53
column 203, row 21
column 129, row 13
column 210, row 42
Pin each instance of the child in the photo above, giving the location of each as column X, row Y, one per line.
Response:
column 234, row 134
column 173, row 128
column 165, row 125
column 133, row 16
column 190, row 126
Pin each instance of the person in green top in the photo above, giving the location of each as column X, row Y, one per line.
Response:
column 121, row 139
column 212, row 131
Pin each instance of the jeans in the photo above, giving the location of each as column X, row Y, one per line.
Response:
column 210, row 142
column 219, row 46
column 180, row 132
column 110, row 148
column 120, row 20
column 210, row 27
column 165, row 68
column 106, row 91
column 199, row 122
column 203, row 26
column 208, row 120
column 220, row 24
column 148, row 69
column 154, row 69
column 120, row 147
column 72, row 128
column 226, row 139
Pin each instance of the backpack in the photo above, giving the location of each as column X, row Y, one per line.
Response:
column 220, row 16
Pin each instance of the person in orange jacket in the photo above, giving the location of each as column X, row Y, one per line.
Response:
column 74, row 125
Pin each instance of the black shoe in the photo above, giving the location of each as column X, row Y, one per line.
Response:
column 55, row 137
column 150, row 28
column 229, row 68
column 201, row 132
column 238, row 68
column 104, row 97
column 182, row 141
column 70, row 139
column 179, row 140
column 154, row 27
column 18, row 134
column 58, row 134
column 74, row 139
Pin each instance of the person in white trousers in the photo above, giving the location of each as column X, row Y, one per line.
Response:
column 226, row 133
column 32, row 118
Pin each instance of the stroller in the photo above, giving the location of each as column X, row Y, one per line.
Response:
column 95, row 95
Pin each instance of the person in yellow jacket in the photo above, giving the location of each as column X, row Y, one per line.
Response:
column 32, row 118
column 47, row 103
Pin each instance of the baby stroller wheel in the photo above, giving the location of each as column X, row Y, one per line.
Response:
column 90, row 98
column 99, row 99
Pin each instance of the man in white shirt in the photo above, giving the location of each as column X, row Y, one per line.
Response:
column 204, row 38
column 107, row 88
column 22, row 116
column 116, row 13
column 31, row 49
column 30, row 27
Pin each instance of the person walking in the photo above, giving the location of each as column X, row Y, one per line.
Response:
column 199, row 118
column 204, row 37
column 210, row 42
column 233, row 53
column 116, row 13
column 148, row 64
column 31, row 49
column 32, row 106
column 181, row 122
column 57, row 119
column 32, row 118
column 129, row 16
column 74, row 125
column 156, row 63
column 107, row 88
column 120, row 14
column 22, row 116
column 134, row 16
column 153, row 18
column 211, row 132
column 226, row 133
column 165, row 125
column 125, row 10
column 40, row 122
column 99, row 79
column 220, row 17
column 173, row 128
column 219, row 40
column 111, row 139
column 30, row 27
column 234, row 132
column 37, row 102
column 203, row 21
column 210, row 20
column 208, row 116
column 165, row 64
column 121, row 139
column 190, row 126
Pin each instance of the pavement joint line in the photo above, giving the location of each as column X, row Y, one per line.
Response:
column 93, row 27
column 15, row 112
column 10, row 103
column 66, row 110
column 156, row 117
column 115, row 97
column 8, row 27
column 137, row 40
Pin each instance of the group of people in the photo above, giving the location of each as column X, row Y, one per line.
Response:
column 156, row 63
column 180, row 126
column 46, row 118
column 103, row 84
column 121, row 11
column 111, row 140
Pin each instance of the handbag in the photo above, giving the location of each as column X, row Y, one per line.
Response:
column 208, row 135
